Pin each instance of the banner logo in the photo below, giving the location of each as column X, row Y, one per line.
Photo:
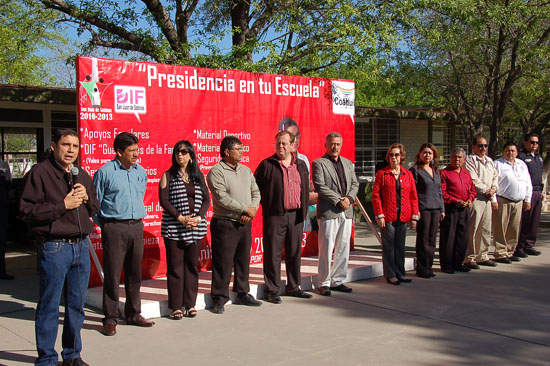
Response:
column 94, row 86
column 130, row 99
column 343, row 98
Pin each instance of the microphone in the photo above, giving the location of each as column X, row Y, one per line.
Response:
column 74, row 173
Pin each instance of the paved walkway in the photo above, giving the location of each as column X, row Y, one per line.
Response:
column 490, row 316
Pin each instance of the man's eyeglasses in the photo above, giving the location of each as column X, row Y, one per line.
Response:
column 534, row 142
column 183, row 152
column 481, row 146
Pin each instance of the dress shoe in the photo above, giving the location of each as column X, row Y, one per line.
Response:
column 218, row 309
column 324, row 291
column 299, row 293
column 515, row 258
column 394, row 282
column 462, row 268
column 432, row 274
column 140, row 322
column 488, row 263
column 448, row 271
column 341, row 288
column 246, row 299
column 503, row 260
column 273, row 298
column 74, row 362
column 423, row 275
column 404, row 280
column 520, row 254
column 471, row 265
column 5, row 276
column 109, row 329
column 532, row 251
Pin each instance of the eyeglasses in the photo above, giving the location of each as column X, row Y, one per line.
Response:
column 481, row 146
column 394, row 154
column 182, row 152
column 534, row 142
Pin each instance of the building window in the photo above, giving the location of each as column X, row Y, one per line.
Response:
column 21, row 115
column 63, row 119
column 373, row 136
column 20, row 148
column 441, row 138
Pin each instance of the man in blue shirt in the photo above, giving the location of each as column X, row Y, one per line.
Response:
column 120, row 188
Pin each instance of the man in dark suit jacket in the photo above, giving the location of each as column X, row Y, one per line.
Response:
column 335, row 181
column 283, row 180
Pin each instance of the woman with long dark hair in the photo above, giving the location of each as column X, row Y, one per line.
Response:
column 430, row 202
column 184, row 197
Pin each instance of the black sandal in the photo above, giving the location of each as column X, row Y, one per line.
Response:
column 191, row 313
column 176, row 315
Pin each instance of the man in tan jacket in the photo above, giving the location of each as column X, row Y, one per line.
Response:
column 485, row 177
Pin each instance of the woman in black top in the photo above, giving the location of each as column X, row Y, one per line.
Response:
column 430, row 203
column 184, row 197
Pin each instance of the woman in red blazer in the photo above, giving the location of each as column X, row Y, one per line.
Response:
column 395, row 204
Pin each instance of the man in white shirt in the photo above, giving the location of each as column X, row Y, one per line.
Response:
column 485, row 177
column 513, row 193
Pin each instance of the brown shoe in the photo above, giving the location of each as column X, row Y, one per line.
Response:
column 109, row 329
column 488, row 263
column 471, row 265
column 140, row 321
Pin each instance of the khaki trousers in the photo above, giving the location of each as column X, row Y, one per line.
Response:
column 506, row 227
column 479, row 238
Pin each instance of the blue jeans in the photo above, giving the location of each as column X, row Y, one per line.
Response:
column 61, row 263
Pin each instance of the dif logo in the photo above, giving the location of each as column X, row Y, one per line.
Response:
column 130, row 99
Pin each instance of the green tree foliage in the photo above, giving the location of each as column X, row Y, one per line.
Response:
column 25, row 29
column 481, row 59
column 293, row 36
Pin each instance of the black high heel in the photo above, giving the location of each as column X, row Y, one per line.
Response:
column 405, row 280
column 396, row 282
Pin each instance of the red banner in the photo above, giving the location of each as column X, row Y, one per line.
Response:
column 162, row 104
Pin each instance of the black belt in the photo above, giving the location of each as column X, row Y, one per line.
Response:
column 507, row 199
column 68, row 240
column 128, row 221
column 293, row 210
column 538, row 188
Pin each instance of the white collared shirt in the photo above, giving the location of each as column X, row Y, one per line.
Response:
column 514, row 181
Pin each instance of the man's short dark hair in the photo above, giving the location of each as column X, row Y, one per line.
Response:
column 529, row 135
column 477, row 138
column 509, row 143
column 289, row 122
column 59, row 134
column 123, row 140
column 227, row 143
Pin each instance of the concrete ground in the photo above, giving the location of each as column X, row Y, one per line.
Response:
column 490, row 316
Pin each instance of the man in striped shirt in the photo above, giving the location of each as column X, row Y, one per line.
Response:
column 283, row 180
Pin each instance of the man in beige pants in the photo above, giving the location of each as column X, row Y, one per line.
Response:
column 513, row 195
column 485, row 177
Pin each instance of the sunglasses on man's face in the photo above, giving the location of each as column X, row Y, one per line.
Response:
column 481, row 146
column 534, row 142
